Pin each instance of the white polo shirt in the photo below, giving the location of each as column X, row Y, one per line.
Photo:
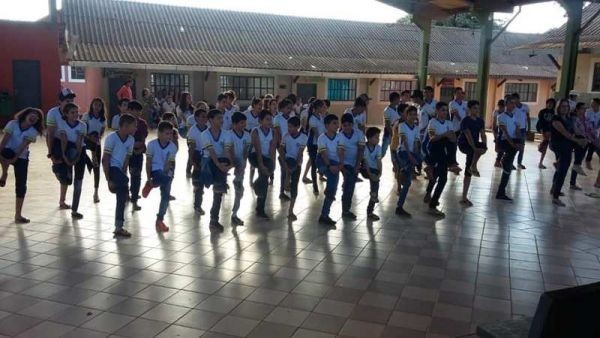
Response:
column 294, row 145
column 521, row 115
column 160, row 155
column 73, row 131
column 391, row 115
column 18, row 136
column 118, row 149
column 372, row 156
column 331, row 145
column 219, row 143
column 461, row 108
column 93, row 123
column 241, row 143
column 510, row 122
column 411, row 134
column 426, row 113
column 351, row 143
column 437, row 127
column 264, row 140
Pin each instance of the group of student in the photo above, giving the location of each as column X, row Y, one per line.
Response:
column 421, row 134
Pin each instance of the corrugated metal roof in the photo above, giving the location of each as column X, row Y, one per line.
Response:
column 111, row 31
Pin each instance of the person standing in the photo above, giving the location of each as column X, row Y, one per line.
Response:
column 353, row 143
column 582, row 131
column 136, row 161
column 509, row 144
column 241, row 144
column 315, row 127
column 358, row 113
column 593, row 118
column 390, row 116
column 501, row 107
column 544, row 126
column 262, row 157
column 409, row 156
column 330, row 163
column 125, row 91
column 473, row 143
column 524, row 120
column 292, row 150
column 95, row 120
column 54, row 119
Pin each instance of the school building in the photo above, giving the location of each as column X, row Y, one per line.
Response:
column 587, row 74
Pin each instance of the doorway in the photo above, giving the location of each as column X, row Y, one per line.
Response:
column 306, row 90
column 27, row 84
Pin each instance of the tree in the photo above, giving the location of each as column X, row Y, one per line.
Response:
column 462, row 20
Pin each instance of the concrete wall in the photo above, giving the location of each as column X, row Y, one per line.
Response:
column 88, row 90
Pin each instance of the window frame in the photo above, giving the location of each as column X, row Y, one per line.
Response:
column 474, row 91
column 171, row 82
column 70, row 77
column 400, row 86
column 247, row 87
column 62, row 74
column 348, row 94
column 524, row 98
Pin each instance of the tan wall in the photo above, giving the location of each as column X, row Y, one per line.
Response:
column 584, row 74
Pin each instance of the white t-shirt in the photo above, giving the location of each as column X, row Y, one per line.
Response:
column 227, row 117
column 331, row 145
column 118, row 149
column 264, row 140
column 219, row 143
column 511, row 124
column 391, row 115
column 18, row 136
column 437, row 127
column 241, row 144
column 194, row 136
column 315, row 121
column 114, row 122
column 461, row 108
column 73, row 131
column 294, row 145
column 251, row 120
column 411, row 134
column 521, row 115
column 93, row 123
column 54, row 118
column 593, row 118
column 281, row 122
column 160, row 155
column 351, row 143
column 426, row 113
column 168, row 107
column 360, row 120
column 373, row 156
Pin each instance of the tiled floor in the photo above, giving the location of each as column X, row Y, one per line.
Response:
column 422, row 277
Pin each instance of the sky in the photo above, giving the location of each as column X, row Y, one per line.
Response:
column 537, row 18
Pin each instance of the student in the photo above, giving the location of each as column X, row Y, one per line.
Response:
column 184, row 110
column 330, row 163
column 501, row 108
column 458, row 111
column 353, row 142
column 427, row 106
column 592, row 116
column 522, row 116
column 509, row 144
column 252, row 114
column 358, row 113
column 390, row 116
column 262, row 157
column 241, row 143
column 54, row 119
column 118, row 148
column 562, row 142
column 19, row 133
column 123, row 109
column 373, row 168
column 95, row 121
column 544, row 126
column 136, row 161
column 168, row 105
column 217, row 162
column 191, row 121
column 221, row 103
column 440, row 135
column 172, row 119
column 195, row 152
column 315, row 127
column 472, row 130
column 405, row 96
column 160, row 165
column 125, row 91
column 583, row 131
column 228, row 108
column 291, row 149
column 280, row 127
column 409, row 156
column 232, row 101
column 71, row 133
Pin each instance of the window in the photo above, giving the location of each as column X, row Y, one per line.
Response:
column 470, row 92
column 164, row 84
column 341, row 90
column 389, row 86
column 247, row 87
column 527, row 91
column 76, row 74
column 596, row 78
column 62, row 73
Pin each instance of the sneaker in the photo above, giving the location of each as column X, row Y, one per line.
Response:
column 514, row 168
column 349, row 215
column 522, row 167
column 504, row 198
column 306, row 180
column 216, row 226
column 316, row 192
column 236, row 221
column 76, row 215
column 575, row 187
column 96, row 199
column 284, row 197
column 122, row 233
column 541, row 166
column 455, row 169
column 326, row 220
column 427, row 198
column 136, row 207
column 358, row 179
column 292, row 217
column 199, row 211
column 262, row 214
column 475, row 172
column 466, row 202
column 558, row 202
column 172, row 198
column 402, row 213
column 161, row 227
column 373, row 217
column 146, row 189
column 498, row 164
column 323, row 178
column 435, row 212
column 578, row 169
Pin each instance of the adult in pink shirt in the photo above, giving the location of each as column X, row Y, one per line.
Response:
column 125, row 91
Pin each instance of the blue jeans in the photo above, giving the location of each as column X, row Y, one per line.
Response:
column 238, row 187
column 385, row 144
column 440, row 157
column 522, row 150
column 348, row 187
column 564, row 152
column 374, row 185
column 405, row 187
column 330, row 187
column 162, row 180
column 579, row 153
column 295, row 170
column 121, row 184
column 261, row 185
column 404, row 162
column 136, row 163
column 312, row 154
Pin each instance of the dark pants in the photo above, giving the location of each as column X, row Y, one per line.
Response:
column 261, row 184
column 20, row 166
column 136, row 163
column 469, row 152
column 440, row 158
column 219, row 183
column 522, row 150
column 507, row 165
column 348, row 187
column 162, row 180
column 198, row 187
column 295, row 171
column 121, row 184
column 451, row 152
column 330, row 187
column 564, row 152
column 96, row 151
column 591, row 149
column 579, row 153
column 238, row 187
column 374, row 185
column 312, row 154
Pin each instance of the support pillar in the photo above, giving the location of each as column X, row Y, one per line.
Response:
column 569, row 62
column 483, row 70
column 425, row 25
